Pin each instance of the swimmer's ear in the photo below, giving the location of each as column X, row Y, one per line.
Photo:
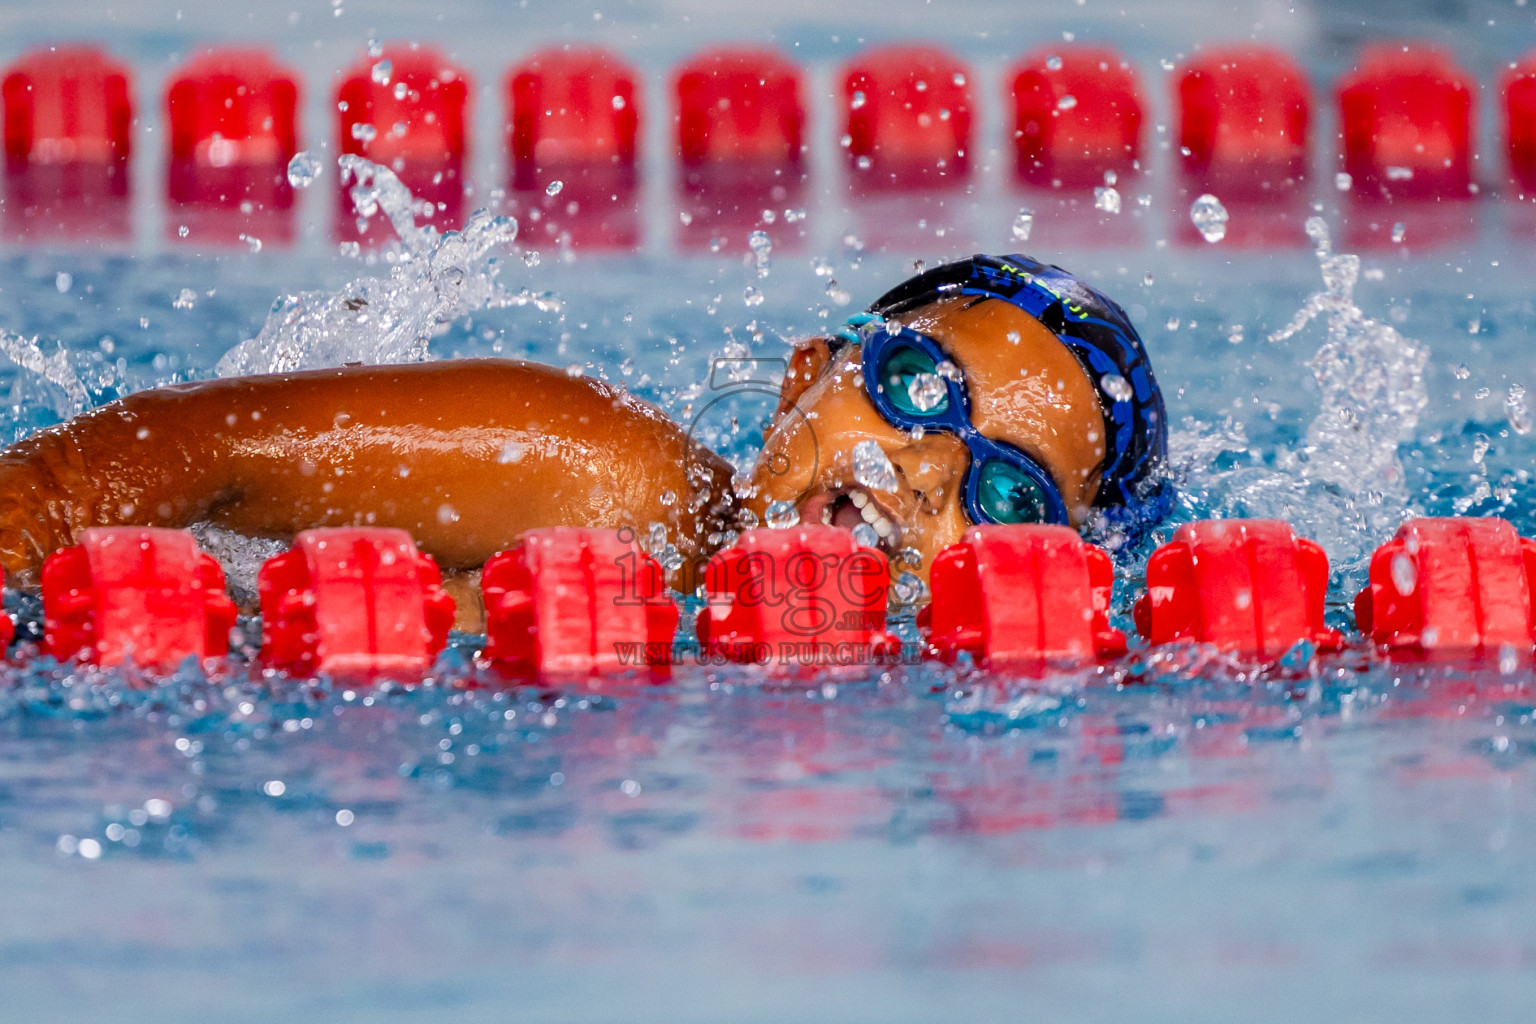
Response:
column 806, row 364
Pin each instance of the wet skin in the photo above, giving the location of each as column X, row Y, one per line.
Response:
column 469, row 454
column 1033, row 394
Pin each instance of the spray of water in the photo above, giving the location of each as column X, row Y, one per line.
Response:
column 63, row 390
column 1344, row 485
column 436, row 279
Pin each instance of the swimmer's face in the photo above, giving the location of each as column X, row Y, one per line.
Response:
column 1031, row 393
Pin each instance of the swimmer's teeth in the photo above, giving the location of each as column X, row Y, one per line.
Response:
column 882, row 527
column 870, row 514
column 859, row 498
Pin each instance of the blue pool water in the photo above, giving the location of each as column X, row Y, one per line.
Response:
column 1168, row 840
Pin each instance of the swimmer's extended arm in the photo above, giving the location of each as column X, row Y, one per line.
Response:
column 465, row 454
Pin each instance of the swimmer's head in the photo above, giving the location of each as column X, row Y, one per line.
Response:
column 998, row 389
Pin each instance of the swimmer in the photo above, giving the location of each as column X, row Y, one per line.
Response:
column 999, row 389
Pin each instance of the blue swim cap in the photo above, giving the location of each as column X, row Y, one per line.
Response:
column 1134, row 492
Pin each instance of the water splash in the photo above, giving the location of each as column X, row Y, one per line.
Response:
column 63, row 391
column 1344, row 485
column 437, row 278
column 1372, row 381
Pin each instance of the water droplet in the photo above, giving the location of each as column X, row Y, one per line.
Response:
column 531, row 258
column 1235, row 334
column 838, row 295
column 1514, row 408
column 364, row 133
column 1462, row 371
column 762, row 251
column 1209, row 218
column 381, row 72
column 822, row 266
column 866, row 536
column 872, row 468
column 1107, row 198
column 512, row 452
column 926, row 391
column 274, row 787
column 63, row 281
column 1399, row 173
column 1053, row 62
column 1117, row 387
column 1399, row 231
column 909, row 589
column 1405, row 575
column 303, row 169
column 1067, row 102
column 618, row 103
column 574, row 370
column 1023, row 224
column 1509, row 661
column 553, row 188
column 186, row 299
column 1343, row 181
column 949, row 371
column 781, row 515
column 751, row 296
column 183, row 231
column 858, row 100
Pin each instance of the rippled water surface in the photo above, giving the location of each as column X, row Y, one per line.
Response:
column 1175, row 838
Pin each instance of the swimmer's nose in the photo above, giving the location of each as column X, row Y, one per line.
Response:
column 933, row 465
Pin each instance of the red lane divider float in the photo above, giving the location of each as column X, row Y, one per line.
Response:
column 7, row 627
column 408, row 110
column 574, row 118
column 353, row 602
column 1077, row 115
column 574, row 602
column 135, row 593
column 908, row 118
column 1244, row 115
column 233, row 118
column 1247, row 586
column 1022, row 596
column 1406, row 116
column 1519, row 89
column 806, row 596
column 740, row 142
column 1459, row 587
column 68, row 133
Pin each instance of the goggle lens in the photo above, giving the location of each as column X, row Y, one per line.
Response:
column 1008, row 495
column 911, row 380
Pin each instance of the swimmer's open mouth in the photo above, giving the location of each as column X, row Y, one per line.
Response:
column 852, row 507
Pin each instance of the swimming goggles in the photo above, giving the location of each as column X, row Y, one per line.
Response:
column 914, row 385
